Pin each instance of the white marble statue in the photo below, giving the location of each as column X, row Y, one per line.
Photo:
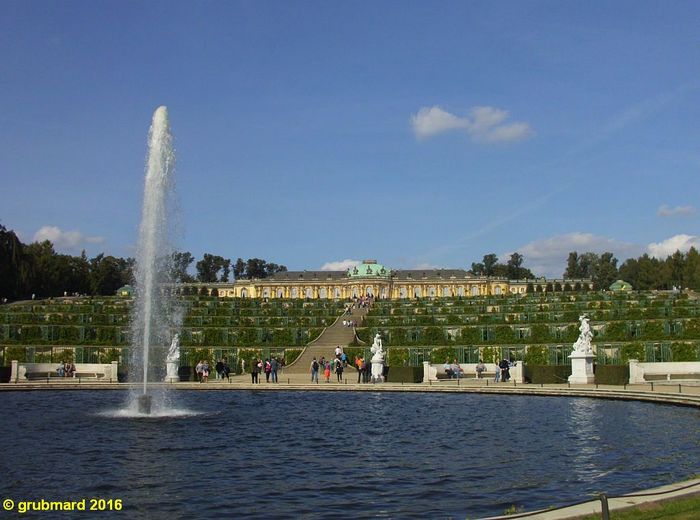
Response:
column 172, row 360
column 377, row 359
column 583, row 343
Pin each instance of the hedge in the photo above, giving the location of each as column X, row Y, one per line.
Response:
column 404, row 374
column 612, row 374
column 547, row 374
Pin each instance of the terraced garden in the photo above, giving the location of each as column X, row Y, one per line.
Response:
column 536, row 328
column 96, row 330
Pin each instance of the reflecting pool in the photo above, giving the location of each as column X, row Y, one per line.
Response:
column 339, row 454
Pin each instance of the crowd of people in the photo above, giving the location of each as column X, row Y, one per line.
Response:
column 221, row 369
column 338, row 365
column 270, row 367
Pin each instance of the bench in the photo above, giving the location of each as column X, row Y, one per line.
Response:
column 49, row 371
column 436, row 372
column 663, row 371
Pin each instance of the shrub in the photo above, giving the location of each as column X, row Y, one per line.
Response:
column 537, row 355
column 489, row 354
column 433, row 335
column 439, row 355
column 632, row 351
column 684, row 352
column 291, row 355
column 397, row 357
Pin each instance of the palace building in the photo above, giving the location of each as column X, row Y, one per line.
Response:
column 373, row 279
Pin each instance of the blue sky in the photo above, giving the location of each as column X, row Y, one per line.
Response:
column 316, row 133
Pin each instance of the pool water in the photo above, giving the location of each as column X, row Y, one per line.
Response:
column 251, row 454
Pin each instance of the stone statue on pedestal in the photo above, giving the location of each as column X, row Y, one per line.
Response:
column 377, row 359
column 583, row 343
column 172, row 361
column 582, row 356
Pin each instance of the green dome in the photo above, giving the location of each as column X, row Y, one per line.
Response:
column 368, row 269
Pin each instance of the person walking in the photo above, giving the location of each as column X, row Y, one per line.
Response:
column 327, row 372
column 314, row 371
column 226, row 370
column 273, row 369
column 268, row 370
column 254, row 371
column 339, row 371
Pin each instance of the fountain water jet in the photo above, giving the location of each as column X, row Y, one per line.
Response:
column 153, row 317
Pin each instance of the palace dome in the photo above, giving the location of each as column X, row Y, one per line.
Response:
column 369, row 269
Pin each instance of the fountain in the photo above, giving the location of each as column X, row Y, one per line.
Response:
column 153, row 316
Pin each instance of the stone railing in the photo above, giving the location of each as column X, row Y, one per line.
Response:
column 22, row 372
column 666, row 370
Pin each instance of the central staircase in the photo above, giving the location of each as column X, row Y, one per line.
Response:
column 324, row 345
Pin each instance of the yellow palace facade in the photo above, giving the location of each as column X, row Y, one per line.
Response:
column 373, row 279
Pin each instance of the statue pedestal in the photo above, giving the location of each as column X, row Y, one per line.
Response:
column 171, row 376
column 377, row 372
column 581, row 368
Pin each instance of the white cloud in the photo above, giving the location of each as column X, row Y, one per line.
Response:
column 676, row 243
column 547, row 257
column 482, row 124
column 340, row 265
column 67, row 240
column 678, row 211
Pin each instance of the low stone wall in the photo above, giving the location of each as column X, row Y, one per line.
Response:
column 22, row 372
column 432, row 371
column 667, row 370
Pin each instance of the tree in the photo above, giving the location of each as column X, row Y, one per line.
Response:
column 572, row 266
column 477, row 269
column 13, row 267
column 606, row 271
column 629, row 271
column 239, row 269
column 490, row 262
column 272, row 268
column 179, row 264
column 107, row 274
column 255, row 268
column 514, row 264
column 226, row 270
column 691, row 270
column 209, row 267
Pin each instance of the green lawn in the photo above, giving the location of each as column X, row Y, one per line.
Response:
column 682, row 509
